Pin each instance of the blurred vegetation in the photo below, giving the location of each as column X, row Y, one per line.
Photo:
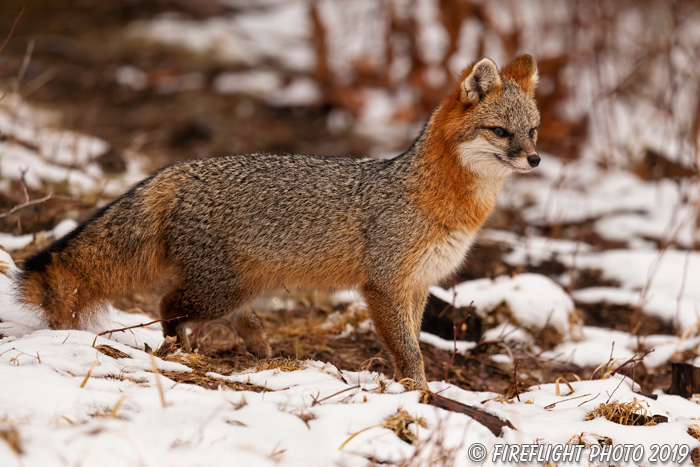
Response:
column 68, row 53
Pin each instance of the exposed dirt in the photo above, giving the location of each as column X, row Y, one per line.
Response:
column 623, row 318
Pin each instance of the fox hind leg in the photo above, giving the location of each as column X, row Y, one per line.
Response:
column 249, row 327
column 185, row 304
column 175, row 314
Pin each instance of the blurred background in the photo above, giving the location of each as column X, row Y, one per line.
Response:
column 99, row 93
column 179, row 79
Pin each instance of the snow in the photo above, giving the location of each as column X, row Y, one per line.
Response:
column 257, row 83
column 533, row 249
column 117, row 417
column 18, row 163
column 622, row 206
column 510, row 334
column 661, row 272
column 659, row 281
column 346, row 297
column 16, row 242
column 38, row 154
column 556, row 425
column 440, row 343
column 299, row 92
column 16, row 318
column 269, row 86
column 353, row 31
column 131, row 76
column 377, row 116
column 533, row 299
column 598, row 345
column 246, row 38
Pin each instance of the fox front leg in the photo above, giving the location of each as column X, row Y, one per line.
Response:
column 393, row 316
column 420, row 298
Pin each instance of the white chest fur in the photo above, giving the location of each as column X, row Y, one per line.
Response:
column 444, row 257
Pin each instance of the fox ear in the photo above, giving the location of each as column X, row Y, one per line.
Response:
column 523, row 70
column 483, row 77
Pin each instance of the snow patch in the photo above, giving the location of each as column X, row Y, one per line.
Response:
column 534, row 300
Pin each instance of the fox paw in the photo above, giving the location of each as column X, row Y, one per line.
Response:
column 250, row 328
column 260, row 347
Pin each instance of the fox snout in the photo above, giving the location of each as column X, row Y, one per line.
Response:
column 533, row 160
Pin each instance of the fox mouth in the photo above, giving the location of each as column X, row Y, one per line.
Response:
column 508, row 163
column 523, row 170
column 505, row 161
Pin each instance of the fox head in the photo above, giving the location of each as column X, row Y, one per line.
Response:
column 491, row 119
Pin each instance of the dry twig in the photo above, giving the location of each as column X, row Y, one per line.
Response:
column 12, row 29
column 110, row 331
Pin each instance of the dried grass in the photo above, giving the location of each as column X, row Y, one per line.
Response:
column 197, row 362
column 201, row 363
column 590, row 439
column 338, row 322
column 89, row 372
column 10, row 434
column 627, row 413
column 400, row 424
column 159, row 385
column 4, row 267
column 211, row 382
column 305, row 416
column 280, row 363
column 201, row 367
column 111, row 351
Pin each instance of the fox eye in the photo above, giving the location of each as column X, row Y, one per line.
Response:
column 500, row 132
column 532, row 133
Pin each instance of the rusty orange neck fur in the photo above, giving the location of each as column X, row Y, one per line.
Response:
column 449, row 192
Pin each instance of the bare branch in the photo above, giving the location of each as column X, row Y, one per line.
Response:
column 27, row 203
column 110, row 331
column 12, row 29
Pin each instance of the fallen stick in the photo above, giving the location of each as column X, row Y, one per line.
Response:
column 492, row 422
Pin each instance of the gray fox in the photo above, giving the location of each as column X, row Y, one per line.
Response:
column 232, row 228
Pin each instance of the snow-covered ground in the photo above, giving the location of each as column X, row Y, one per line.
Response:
column 70, row 404
column 65, row 402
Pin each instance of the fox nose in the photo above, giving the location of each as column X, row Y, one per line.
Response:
column 533, row 160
